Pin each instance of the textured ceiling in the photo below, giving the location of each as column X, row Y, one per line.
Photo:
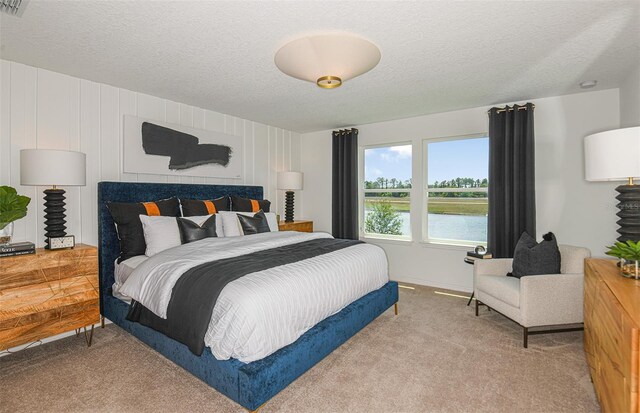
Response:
column 436, row 56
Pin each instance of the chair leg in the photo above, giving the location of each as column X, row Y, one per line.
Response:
column 471, row 298
column 526, row 337
column 477, row 307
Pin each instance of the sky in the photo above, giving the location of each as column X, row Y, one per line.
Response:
column 465, row 158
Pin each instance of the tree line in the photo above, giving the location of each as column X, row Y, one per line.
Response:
column 393, row 183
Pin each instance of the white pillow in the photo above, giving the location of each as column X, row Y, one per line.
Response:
column 161, row 233
column 233, row 228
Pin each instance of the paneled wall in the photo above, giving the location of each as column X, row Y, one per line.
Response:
column 44, row 109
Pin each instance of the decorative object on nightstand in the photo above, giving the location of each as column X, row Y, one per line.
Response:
column 615, row 156
column 12, row 208
column 628, row 254
column 48, row 293
column 300, row 226
column 18, row 248
column 49, row 167
column 289, row 181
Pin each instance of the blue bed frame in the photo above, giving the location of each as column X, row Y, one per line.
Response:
column 249, row 384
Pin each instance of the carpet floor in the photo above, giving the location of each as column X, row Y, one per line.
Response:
column 435, row 356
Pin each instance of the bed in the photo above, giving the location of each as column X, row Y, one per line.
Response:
column 249, row 384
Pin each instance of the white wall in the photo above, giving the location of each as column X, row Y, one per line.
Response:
column 630, row 99
column 44, row 109
column 578, row 212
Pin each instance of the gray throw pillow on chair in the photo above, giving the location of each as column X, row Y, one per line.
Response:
column 532, row 258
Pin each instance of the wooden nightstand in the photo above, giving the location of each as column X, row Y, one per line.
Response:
column 48, row 293
column 301, row 226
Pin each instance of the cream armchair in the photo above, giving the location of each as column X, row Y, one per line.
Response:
column 536, row 300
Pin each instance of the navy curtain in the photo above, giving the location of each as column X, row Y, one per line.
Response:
column 512, row 201
column 344, row 207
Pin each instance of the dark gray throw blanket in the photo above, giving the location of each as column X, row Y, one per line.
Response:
column 196, row 292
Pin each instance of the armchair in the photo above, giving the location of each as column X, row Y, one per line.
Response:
column 537, row 300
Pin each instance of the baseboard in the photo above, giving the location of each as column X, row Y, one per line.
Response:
column 433, row 284
column 60, row 336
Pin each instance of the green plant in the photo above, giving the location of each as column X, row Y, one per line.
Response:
column 12, row 206
column 383, row 219
column 629, row 250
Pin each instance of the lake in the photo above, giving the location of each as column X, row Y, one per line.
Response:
column 456, row 227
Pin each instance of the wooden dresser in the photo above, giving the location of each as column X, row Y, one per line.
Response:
column 302, row 226
column 48, row 293
column 611, row 325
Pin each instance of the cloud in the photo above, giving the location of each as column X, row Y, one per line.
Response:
column 402, row 151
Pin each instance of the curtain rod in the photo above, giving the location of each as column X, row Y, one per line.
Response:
column 510, row 109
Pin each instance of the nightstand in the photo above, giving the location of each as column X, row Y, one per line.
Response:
column 48, row 293
column 301, row 226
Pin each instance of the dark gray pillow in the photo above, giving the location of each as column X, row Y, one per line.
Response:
column 190, row 231
column 532, row 258
column 255, row 224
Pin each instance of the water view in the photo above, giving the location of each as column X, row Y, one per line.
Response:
column 451, row 227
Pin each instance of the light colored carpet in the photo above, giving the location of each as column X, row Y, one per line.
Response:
column 435, row 356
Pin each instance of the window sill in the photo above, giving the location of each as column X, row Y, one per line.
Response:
column 396, row 241
column 445, row 246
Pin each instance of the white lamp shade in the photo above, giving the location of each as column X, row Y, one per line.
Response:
column 341, row 55
column 290, row 180
column 49, row 167
column 612, row 155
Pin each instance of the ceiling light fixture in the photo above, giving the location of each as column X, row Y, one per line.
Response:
column 327, row 60
column 588, row 84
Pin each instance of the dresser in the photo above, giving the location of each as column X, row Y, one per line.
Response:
column 48, row 293
column 301, row 226
column 611, row 326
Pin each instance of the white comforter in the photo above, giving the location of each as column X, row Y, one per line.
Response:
column 264, row 311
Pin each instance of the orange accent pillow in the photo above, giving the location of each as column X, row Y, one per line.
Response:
column 152, row 209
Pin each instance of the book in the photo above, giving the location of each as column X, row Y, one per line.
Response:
column 479, row 256
column 14, row 253
column 470, row 260
column 18, row 246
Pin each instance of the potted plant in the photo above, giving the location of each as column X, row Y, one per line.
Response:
column 12, row 208
column 629, row 255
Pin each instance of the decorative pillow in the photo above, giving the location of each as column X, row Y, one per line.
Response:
column 190, row 231
column 249, row 205
column 255, row 224
column 160, row 233
column 532, row 258
column 128, row 224
column 192, row 207
column 231, row 223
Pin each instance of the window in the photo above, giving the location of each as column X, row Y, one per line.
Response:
column 387, row 192
column 456, row 187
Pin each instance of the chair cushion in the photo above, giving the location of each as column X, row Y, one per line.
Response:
column 506, row 289
column 532, row 258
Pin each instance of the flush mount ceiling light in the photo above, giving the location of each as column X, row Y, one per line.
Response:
column 327, row 60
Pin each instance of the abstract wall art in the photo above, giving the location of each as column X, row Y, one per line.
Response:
column 152, row 147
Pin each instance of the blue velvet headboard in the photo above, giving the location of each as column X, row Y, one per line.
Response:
column 108, row 243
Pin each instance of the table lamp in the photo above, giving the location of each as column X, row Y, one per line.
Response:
column 53, row 168
column 289, row 181
column 615, row 156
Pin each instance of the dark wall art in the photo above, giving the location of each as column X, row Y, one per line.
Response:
column 185, row 151
column 153, row 147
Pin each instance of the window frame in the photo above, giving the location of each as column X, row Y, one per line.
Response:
column 362, row 191
column 426, row 190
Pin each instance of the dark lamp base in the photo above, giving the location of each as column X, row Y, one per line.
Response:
column 54, row 215
column 629, row 206
column 288, row 206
